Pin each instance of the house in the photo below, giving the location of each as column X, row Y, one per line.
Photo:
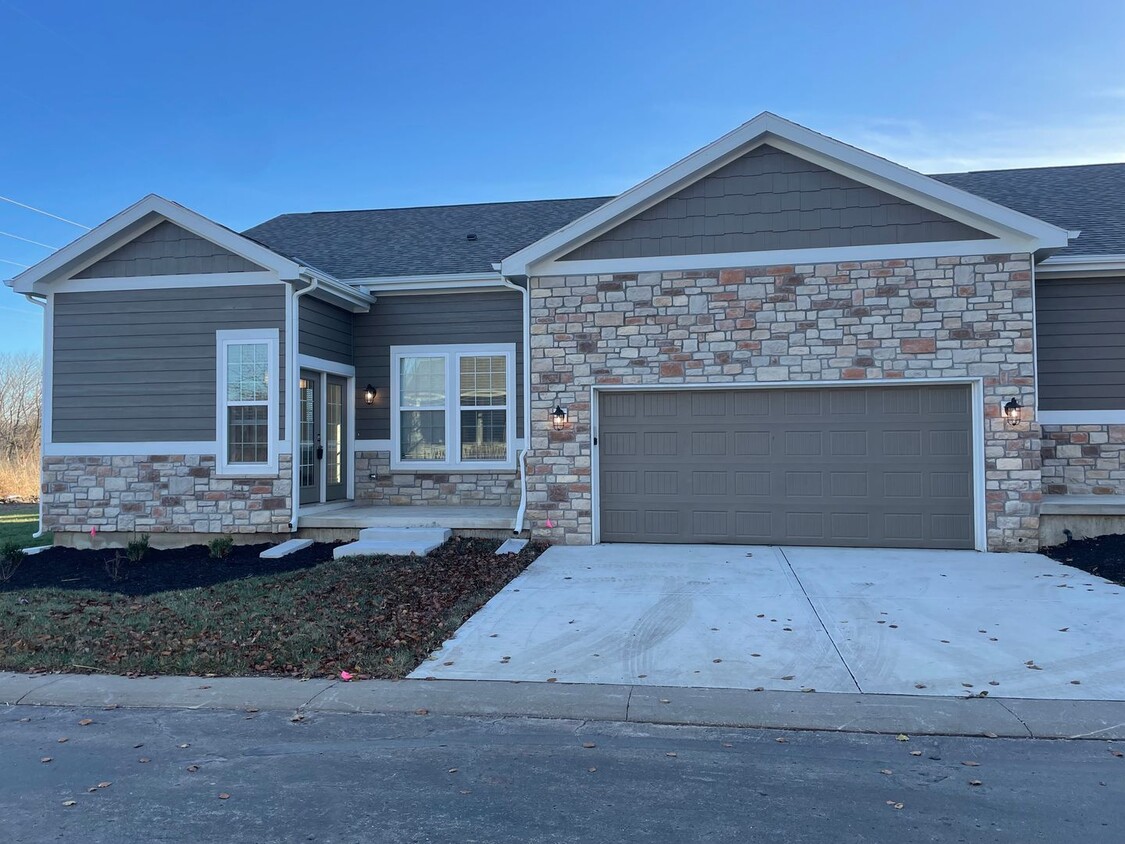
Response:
column 779, row 339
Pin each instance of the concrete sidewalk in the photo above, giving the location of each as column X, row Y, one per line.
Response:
column 835, row 712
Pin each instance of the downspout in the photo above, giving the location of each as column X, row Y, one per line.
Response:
column 293, row 428
column 521, row 459
column 42, row 415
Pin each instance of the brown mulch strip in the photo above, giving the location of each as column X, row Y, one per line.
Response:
column 1103, row 556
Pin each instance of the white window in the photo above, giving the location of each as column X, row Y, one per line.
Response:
column 453, row 407
column 247, row 418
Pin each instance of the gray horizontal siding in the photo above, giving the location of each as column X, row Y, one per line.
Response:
column 167, row 249
column 1081, row 345
column 429, row 320
column 325, row 331
column 769, row 199
column 139, row 365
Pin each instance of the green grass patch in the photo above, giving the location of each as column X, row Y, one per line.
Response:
column 17, row 524
column 372, row 616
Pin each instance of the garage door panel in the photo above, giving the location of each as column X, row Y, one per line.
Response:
column 823, row 466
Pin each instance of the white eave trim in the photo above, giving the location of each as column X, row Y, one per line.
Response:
column 776, row 131
column 430, row 283
column 156, row 208
column 826, row 255
column 1062, row 266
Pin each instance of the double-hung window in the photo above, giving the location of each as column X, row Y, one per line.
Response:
column 453, row 407
column 247, row 401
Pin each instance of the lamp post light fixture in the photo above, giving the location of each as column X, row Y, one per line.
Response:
column 369, row 394
column 1012, row 412
column 558, row 417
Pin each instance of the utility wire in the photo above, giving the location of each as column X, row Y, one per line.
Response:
column 14, row 263
column 41, row 211
column 28, row 240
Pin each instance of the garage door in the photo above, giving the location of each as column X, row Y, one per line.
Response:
column 852, row 466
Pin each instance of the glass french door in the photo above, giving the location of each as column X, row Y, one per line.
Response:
column 335, row 438
column 311, row 446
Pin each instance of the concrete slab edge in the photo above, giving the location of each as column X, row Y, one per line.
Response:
column 912, row 715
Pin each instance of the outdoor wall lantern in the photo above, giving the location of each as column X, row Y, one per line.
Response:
column 369, row 394
column 1012, row 412
column 558, row 417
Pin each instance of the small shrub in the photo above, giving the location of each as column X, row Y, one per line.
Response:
column 220, row 547
column 115, row 565
column 137, row 549
column 11, row 556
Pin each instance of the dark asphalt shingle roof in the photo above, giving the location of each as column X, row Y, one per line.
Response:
column 434, row 239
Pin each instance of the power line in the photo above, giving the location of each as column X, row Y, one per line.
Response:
column 28, row 240
column 14, row 263
column 46, row 213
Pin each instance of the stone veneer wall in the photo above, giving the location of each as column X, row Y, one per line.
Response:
column 377, row 483
column 1084, row 459
column 161, row 493
column 918, row 318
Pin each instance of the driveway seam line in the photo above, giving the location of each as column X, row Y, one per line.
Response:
column 628, row 700
column 1006, row 708
column 823, row 626
column 318, row 694
column 36, row 689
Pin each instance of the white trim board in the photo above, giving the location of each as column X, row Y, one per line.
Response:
column 768, row 128
column 976, row 385
column 324, row 365
column 1081, row 417
column 147, row 282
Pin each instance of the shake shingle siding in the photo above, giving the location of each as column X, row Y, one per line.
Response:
column 139, row 365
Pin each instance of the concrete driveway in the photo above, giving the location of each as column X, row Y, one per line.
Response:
column 829, row 619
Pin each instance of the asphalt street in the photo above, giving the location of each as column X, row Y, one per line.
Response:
column 175, row 775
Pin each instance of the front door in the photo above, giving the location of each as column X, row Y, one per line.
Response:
column 312, row 449
column 335, row 438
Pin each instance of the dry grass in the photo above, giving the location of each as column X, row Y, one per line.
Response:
column 20, row 477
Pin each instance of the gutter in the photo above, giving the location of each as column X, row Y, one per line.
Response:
column 292, row 428
column 42, row 416
column 521, row 511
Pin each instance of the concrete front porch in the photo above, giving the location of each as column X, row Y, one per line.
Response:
column 352, row 516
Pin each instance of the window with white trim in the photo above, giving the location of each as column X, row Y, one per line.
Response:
column 453, row 407
column 247, row 419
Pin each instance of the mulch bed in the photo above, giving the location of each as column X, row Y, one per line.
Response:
column 301, row 616
column 159, row 571
column 1103, row 556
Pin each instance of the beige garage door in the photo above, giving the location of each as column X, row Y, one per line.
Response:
column 852, row 466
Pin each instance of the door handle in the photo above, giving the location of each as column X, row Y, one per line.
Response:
column 319, row 450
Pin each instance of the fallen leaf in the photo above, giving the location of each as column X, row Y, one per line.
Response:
column 971, row 764
column 1076, row 682
column 727, row 744
column 781, row 740
column 902, row 737
column 63, row 740
column 1117, row 753
column 588, row 745
column 452, row 770
column 555, row 680
column 252, row 710
column 670, row 753
column 85, row 722
column 45, row 759
column 915, row 752
column 192, row 768
column 1063, row 629
column 69, row 802
column 975, row 782
column 665, row 700
column 886, row 771
column 143, row 760
column 297, row 717
column 787, row 677
column 919, row 685
column 182, row 746
column 591, row 770
column 224, row 796
column 104, row 784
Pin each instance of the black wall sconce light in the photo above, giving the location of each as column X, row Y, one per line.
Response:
column 369, row 394
column 558, row 417
column 1012, row 412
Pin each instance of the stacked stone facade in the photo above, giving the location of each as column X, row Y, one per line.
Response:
column 1084, row 459
column 377, row 483
column 161, row 493
column 959, row 317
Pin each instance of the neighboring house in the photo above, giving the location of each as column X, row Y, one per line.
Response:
column 779, row 339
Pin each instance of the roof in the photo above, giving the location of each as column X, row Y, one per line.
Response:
column 417, row 241
column 1089, row 197
column 435, row 240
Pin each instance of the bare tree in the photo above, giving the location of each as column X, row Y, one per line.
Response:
column 21, row 409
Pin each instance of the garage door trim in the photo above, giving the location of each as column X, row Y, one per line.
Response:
column 977, row 433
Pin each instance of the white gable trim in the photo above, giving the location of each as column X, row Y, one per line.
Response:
column 769, row 128
column 98, row 242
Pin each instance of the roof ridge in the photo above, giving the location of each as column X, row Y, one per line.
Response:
column 456, row 205
column 1026, row 169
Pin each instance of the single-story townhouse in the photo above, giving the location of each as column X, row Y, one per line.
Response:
column 780, row 339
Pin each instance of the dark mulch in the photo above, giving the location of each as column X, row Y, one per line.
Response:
column 371, row 616
column 1103, row 556
column 159, row 571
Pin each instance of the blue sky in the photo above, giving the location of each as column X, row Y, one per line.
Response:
column 250, row 109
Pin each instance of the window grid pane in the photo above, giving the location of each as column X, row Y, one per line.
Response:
column 248, row 372
column 334, row 436
column 483, row 381
column 422, row 435
column 484, row 434
column 422, row 382
column 308, row 432
column 248, row 434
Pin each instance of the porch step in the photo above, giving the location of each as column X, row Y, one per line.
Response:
column 394, row 542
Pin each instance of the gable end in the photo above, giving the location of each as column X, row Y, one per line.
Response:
column 167, row 249
column 771, row 200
